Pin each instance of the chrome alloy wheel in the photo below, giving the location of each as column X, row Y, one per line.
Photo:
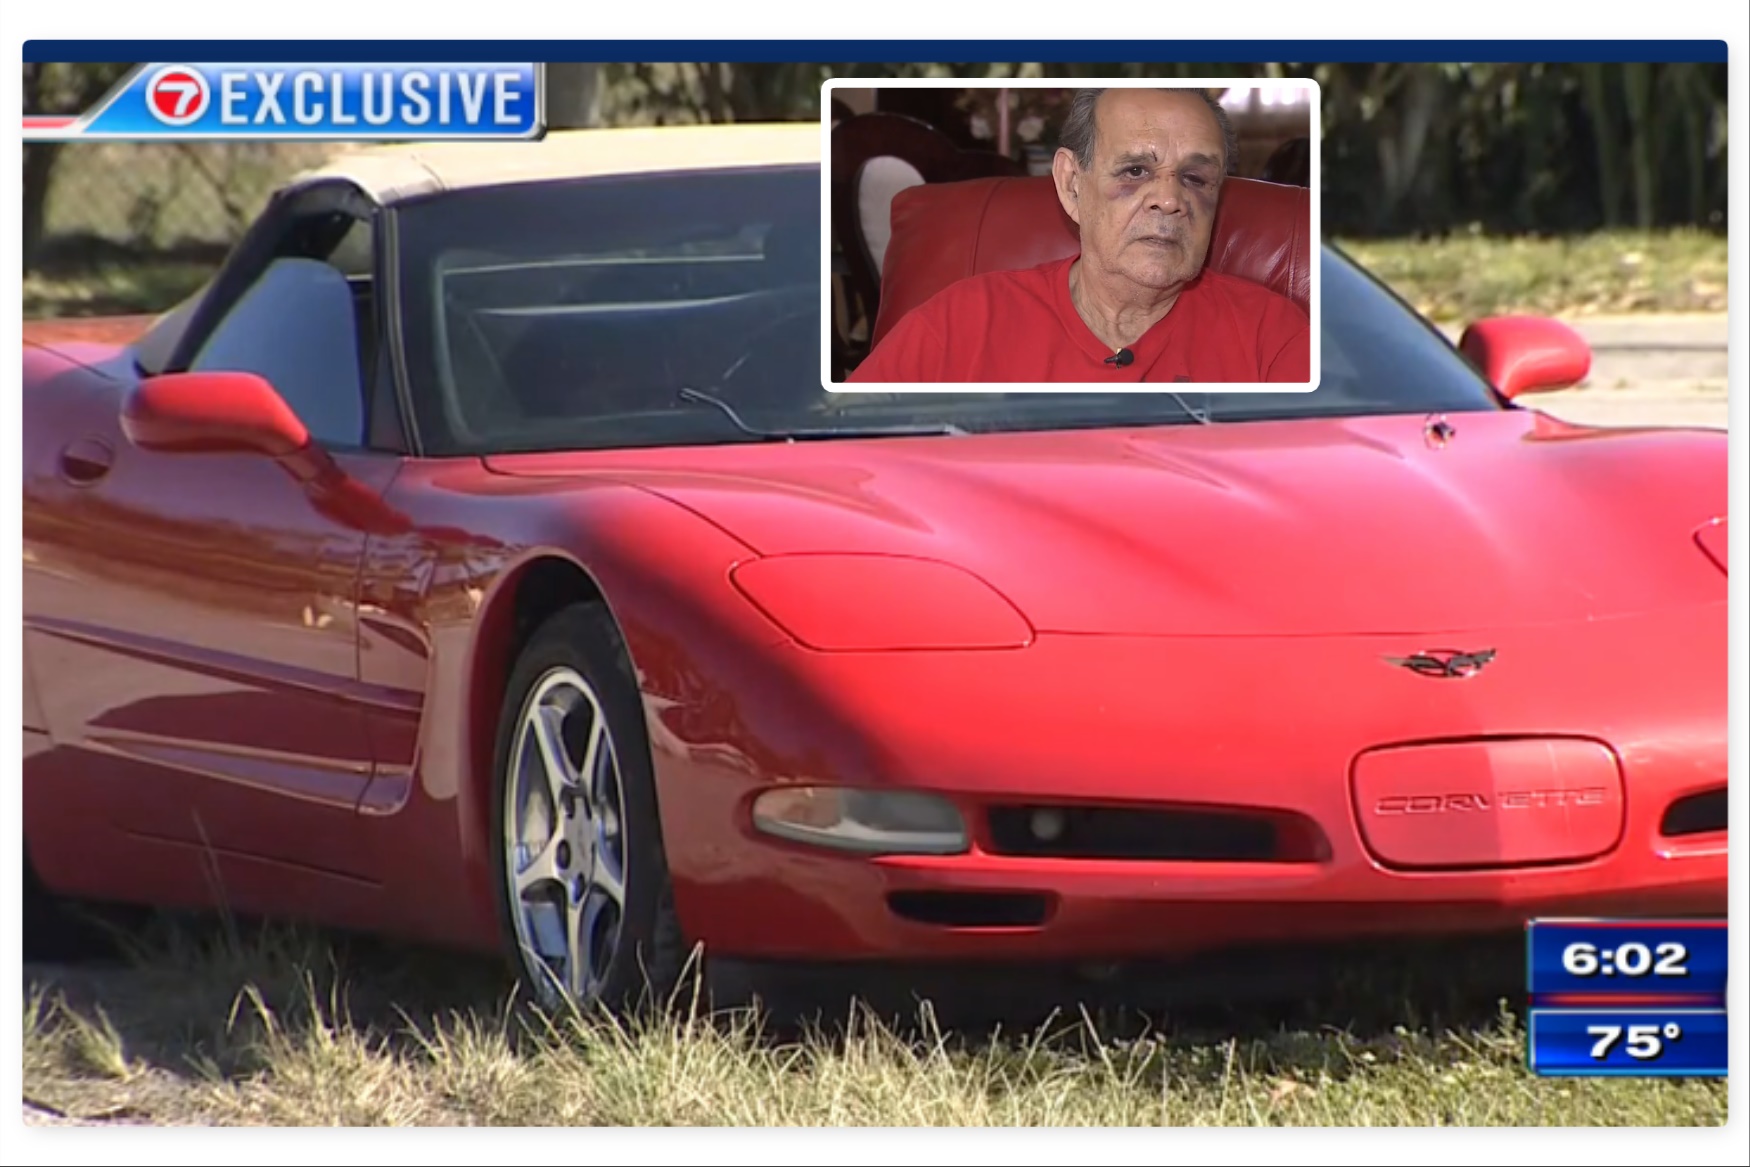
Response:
column 564, row 839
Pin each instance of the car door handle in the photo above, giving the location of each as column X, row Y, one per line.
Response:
column 85, row 461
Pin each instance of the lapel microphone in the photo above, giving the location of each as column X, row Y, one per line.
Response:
column 1121, row 358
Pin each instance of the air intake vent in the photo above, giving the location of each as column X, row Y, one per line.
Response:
column 956, row 909
column 1148, row 832
column 1696, row 814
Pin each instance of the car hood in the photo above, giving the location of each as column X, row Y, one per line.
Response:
column 1307, row 527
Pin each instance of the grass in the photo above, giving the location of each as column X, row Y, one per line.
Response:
column 118, row 213
column 150, row 198
column 291, row 1028
column 1450, row 281
column 1466, row 276
column 112, row 289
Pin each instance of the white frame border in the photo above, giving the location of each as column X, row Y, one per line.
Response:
column 1315, row 233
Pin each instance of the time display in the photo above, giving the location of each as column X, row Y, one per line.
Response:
column 1631, row 958
column 1677, row 960
column 1640, row 998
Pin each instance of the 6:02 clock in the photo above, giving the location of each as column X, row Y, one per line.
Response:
column 1677, row 961
column 1631, row 958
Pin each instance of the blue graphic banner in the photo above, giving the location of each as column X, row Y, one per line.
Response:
column 383, row 101
column 1628, row 1043
column 1676, row 961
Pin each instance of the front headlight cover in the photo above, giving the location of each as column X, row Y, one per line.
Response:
column 840, row 602
column 869, row 822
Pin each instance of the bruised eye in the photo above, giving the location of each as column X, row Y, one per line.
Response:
column 1196, row 180
column 1135, row 171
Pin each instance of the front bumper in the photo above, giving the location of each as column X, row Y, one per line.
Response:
column 1265, row 729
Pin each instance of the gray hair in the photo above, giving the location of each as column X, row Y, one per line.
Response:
column 1078, row 127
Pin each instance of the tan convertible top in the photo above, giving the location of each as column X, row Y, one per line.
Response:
column 393, row 173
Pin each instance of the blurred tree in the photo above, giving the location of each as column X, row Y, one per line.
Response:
column 573, row 95
column 55, row 87
column 1424, row 148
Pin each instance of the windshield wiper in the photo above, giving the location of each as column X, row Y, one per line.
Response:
column 796, row 435
column 1202, row 418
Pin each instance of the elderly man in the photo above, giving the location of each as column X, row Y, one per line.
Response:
column 1140, row 171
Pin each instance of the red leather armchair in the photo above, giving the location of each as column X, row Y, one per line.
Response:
column 943, row 232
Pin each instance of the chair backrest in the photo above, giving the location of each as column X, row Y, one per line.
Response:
column 876, row 156
column 943, row 232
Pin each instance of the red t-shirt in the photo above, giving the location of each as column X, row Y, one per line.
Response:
column 1022, row 326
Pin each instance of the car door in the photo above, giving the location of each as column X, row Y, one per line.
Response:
column 197, row 646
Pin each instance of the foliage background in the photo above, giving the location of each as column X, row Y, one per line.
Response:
column 1414, row 150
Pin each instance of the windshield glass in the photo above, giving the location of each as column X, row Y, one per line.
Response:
column 592, row 314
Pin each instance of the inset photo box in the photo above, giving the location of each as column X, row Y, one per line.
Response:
column 1038, row 235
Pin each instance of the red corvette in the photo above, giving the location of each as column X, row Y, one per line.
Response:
column 479, row 559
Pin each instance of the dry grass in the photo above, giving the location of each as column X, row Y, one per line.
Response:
column 1466, row 276
column 146, row 198
column 286, row 1028
column 1450, row 281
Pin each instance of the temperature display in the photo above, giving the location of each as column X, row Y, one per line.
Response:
column 1629, row 1042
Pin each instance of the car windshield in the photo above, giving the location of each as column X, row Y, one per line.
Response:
column 608, row 312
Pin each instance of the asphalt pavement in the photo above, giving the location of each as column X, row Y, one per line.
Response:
column 1647, row 369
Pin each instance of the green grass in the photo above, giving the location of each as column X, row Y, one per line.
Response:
column 1467, row 276
column 1451, row 281
column 159, row 194
column 113, row 290
column 286, row 1028
column 151, row 198
column 123, row 221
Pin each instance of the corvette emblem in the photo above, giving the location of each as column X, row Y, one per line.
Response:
column 1445, row 662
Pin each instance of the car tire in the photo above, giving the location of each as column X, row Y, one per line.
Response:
column 44, row 918
column 582, row 882
column 57, row 930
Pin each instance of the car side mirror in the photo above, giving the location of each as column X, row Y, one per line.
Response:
column 212, row 412
column 1526, row 354
column 240, row 413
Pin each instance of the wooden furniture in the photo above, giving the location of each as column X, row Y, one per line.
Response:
column 875, row 156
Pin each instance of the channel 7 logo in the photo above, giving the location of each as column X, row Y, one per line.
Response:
column 177, row 95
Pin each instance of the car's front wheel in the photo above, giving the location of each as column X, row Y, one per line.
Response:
column 582, row 880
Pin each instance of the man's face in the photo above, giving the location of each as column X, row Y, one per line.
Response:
column 1147, row 203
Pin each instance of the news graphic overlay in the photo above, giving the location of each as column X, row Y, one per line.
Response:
column 1627, row 998
column 995, row 262
column 327, row 102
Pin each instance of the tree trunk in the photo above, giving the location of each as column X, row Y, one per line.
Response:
column 39, row 166
column 1637, row 90
column 1403, row 136
column 1604, row 139
column 1688, row 93
column 72, row 89
column 573, row 96
column 1539, row 94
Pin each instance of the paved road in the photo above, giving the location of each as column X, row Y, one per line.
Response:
column 1647, row 370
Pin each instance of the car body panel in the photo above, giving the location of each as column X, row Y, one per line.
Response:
column 197, row 642
column 1151, row 723
column 1263, row 528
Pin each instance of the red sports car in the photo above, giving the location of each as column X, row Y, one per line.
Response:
column 479, row 559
